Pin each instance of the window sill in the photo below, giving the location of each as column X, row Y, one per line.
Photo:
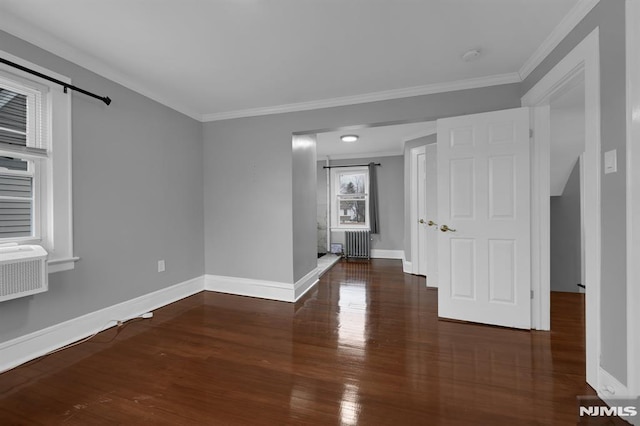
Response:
column 59, row 265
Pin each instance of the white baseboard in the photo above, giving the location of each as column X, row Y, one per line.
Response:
column 30, row 346
column 273, row 290
column 249, row 287
column 305, row 283
column 407, row 267
column 610, row 388
column 387, row 254
column 25, row 348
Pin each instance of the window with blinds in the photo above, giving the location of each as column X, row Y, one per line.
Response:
column 16, row 173
column 36, row 205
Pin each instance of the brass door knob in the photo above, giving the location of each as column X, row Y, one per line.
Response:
column 432, row 223
column 421, row 221
column 445, row 228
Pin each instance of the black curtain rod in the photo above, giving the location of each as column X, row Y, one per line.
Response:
column 350, row 165
column 66, row 86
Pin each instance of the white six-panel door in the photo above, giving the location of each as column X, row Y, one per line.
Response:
column 483, row 198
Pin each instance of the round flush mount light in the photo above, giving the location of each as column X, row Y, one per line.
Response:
column 471, row 55
column 349, row 138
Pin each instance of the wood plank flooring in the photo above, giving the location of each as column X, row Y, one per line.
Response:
column 363, row 347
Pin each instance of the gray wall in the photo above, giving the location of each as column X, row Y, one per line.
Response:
column 566, row 252
column 609, row 17
column 137, row 198
column 304, row 205
column 425, row 140
column 248, row 169
column 390, row 176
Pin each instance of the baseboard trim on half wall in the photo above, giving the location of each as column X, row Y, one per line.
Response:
column 305, row 283
column 33, row 345
column 387, row 254
column 407, row 267
column 262, row 289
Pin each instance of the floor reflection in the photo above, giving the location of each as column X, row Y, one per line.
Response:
column 349, row 406
column 352, row 314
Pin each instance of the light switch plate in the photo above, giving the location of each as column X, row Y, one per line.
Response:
column 610, row 162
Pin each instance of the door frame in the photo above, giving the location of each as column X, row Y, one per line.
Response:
column 633, row 195
column 582, row 62
column 411, row 267
column 413, row 202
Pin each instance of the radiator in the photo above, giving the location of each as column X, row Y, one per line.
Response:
column 23, row 271
column 357, row 244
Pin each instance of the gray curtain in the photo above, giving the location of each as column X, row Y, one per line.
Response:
column 374, row 220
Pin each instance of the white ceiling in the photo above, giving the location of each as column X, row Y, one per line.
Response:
column 213, row 59
column 373, row 141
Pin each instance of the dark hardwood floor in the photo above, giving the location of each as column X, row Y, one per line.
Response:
column 363, row 347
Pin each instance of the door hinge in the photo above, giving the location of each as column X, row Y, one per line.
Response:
column 530, row 133
column 532, row 294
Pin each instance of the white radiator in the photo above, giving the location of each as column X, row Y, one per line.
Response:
column 357, row 244
column 23, row 271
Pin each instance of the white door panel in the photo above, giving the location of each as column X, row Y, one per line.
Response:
column 432, row 214
column 422, row 214
column 483, row 197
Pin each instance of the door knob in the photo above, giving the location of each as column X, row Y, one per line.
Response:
column 421, row 221
column 432, row 223
column 445, row 228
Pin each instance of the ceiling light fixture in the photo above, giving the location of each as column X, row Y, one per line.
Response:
column 349, row 138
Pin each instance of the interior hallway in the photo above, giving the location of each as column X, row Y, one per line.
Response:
column 364, row 346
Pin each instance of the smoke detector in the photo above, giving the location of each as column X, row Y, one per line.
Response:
column 471, row 55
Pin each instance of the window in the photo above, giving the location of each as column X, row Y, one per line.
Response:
column 35, row 184
column 20, row 170
column 350, row 198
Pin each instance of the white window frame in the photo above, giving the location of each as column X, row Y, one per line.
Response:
column 335, row 197
column 52, row 208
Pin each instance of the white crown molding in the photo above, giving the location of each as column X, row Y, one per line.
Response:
column 568, row 23
column 472, row 83
column 38, row 37
column 26, row 31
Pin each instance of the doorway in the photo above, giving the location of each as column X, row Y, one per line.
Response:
column 567, row 146
column 424, row 211
column 580, row 67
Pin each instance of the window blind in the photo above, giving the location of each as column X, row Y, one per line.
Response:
column 13, row 118
column 16, row 192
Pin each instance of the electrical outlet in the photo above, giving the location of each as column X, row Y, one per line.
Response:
column 161, row 266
